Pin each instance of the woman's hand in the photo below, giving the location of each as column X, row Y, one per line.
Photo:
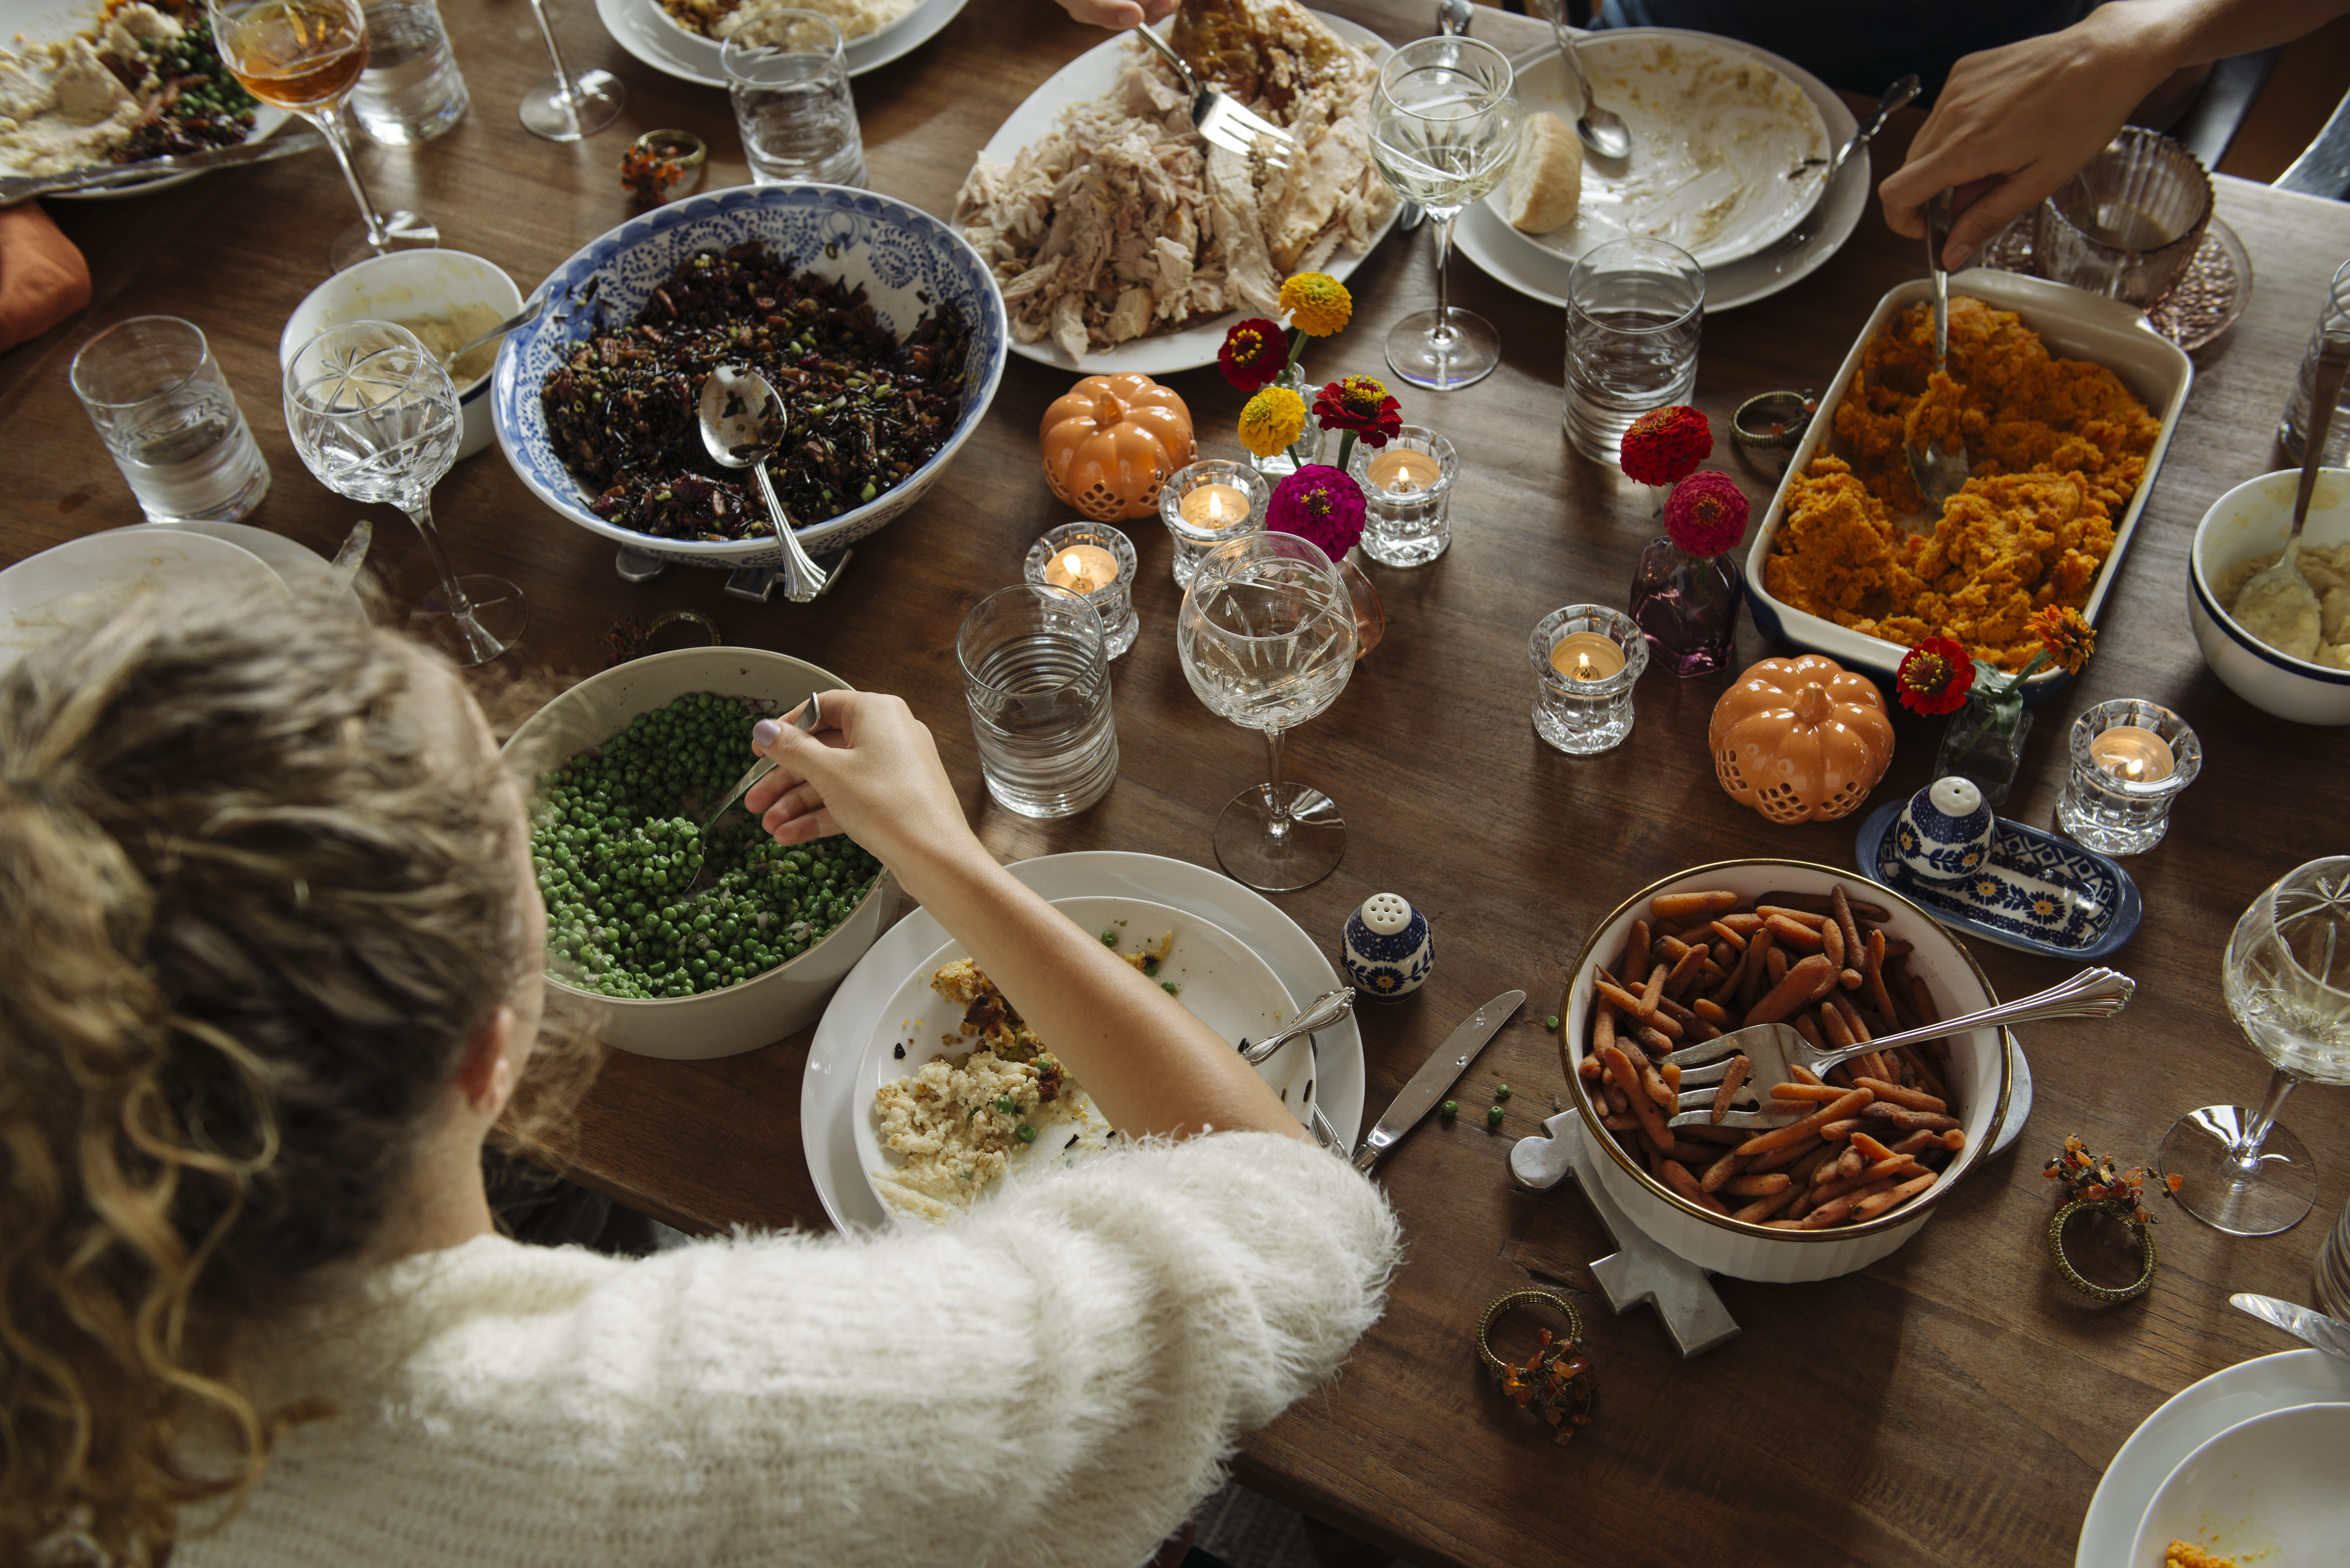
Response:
column 871, row 771
column 1119, row 15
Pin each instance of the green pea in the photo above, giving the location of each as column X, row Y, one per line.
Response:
column 1493, row 1116
column 1500, row 1090
column 1448, row 1109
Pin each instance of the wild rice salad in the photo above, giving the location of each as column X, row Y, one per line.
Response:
column 863, row 410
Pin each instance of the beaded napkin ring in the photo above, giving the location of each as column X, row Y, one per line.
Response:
column 1557, row 1383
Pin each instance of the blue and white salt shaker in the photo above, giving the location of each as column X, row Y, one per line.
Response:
column 1945, row 832
column 1388, row 949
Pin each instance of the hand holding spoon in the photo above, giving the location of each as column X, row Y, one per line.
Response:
column 742, row 421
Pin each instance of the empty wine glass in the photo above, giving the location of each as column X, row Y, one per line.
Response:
column 1443, row 129
column 375, row 418
column 564, row 107
column 1266, row 637
column 2286, row 977
column 306, row 55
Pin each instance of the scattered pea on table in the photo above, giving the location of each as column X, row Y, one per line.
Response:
column 1551, row 1023
column 1493, row 1116
column 1500, row 1090
column 1448, row 1109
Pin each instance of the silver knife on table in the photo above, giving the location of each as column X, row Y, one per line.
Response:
column 1439, row 1073
column 2329, row 1335
column 17, row 187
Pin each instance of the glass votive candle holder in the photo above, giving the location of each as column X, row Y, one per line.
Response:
column 1095, row 561
column 1407, row 496
column 2130, row 760
column 1208, row 503
column 1586, row 658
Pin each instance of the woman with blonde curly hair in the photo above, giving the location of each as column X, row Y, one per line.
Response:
column 275, row 974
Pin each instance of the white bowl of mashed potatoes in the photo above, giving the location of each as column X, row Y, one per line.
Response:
column 446, row 297
column 2244, row 532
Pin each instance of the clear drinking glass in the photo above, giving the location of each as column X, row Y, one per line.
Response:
column 2286, row 976
column 169, row 421
column 306, row 55
column 1036, row 673
column 2333, row 316
column 375, row 418
column 566, row 108
column 411, row 90
column 2128, row 223
column 1443, row 129
column 788, row 76
column 1267, row 638
column 1634, row 311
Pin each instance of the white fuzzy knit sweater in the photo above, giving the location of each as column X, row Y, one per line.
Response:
column 1053, row 1381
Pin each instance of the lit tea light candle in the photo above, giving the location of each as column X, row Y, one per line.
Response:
column 2132, row 754
column 1401, row 470
column 1214, row 506
column 1587, row 656
column 1082, row 568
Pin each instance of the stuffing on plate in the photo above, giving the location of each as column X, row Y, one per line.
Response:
column 1123, row 223
column 722, row 18
column 142, row 82
column 2057, row 447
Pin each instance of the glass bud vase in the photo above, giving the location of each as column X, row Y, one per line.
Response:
column 1984, row 741
column 1686, row 607
column 1307, row 447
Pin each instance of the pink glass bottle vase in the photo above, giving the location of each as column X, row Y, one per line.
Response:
column 1686, row 607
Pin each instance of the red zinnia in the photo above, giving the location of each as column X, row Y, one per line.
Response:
column 1360, row 404
column 1254, row 354
column 1664, row 445
column 1934, row 676
column 1706, row 513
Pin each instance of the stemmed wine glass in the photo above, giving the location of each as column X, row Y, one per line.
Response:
column 375, row 417
column 306, row 55
column 564, row 107
column 1443, row 129
column 1266, row 637
column 2286, row 977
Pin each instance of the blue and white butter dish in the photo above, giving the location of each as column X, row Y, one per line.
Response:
column 2017, row 886
column 1388, row 949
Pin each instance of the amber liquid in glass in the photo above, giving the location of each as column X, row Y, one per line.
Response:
column 301, row 54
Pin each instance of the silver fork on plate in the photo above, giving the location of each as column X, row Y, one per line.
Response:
column 1219, row 118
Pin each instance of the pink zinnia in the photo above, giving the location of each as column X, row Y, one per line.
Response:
column 1320, row 503
column 1706, row 513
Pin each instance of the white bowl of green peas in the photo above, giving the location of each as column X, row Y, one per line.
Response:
column 670, row 943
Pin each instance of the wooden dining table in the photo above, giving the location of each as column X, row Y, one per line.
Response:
column 1954, row 1403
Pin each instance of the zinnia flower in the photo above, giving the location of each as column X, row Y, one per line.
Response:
column 1253, row 354
column 1273, row 418
column 1318, row 303
column 2068, row 637
column 1706, row 513
column 1360, row 405
column 1664, row 445
column 1320, row 503
column 1934, row 677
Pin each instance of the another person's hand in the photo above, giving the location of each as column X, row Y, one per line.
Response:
column 1120, row 16
column 871, row 771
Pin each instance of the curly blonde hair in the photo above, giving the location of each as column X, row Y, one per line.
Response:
column 263, row 885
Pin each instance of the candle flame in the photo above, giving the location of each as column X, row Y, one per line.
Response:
column 1583, row 669
column 1215, row 509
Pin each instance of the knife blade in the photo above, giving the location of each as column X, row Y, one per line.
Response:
column 2329, row 1335
column 16, row 187
column 1438, row 1074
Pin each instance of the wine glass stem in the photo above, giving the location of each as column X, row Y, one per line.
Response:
column 338, row 137
column 450, row 590
column 1277, row 805
column 562, row 76
column 1443, row 333
column 2245, row 1152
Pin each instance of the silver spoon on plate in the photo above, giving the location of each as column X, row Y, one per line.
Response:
column 1603, row 130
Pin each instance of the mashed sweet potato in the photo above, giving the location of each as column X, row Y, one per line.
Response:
column 2056, row 447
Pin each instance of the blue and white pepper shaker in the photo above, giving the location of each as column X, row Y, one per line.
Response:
column 1944, row 834
column 1388, row 949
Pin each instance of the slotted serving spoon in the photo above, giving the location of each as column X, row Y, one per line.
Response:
column 2277, row 606
column 1218, row 117
column 1940, row 471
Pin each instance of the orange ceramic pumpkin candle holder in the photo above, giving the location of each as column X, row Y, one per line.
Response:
column 1800, row 740
column 1111, row 443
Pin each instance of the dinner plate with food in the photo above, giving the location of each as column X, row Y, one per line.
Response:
column 1709, row 175
column 681, row 37
column 1146, row 264
column 963, row 1098
column 1224, row 941
column 83, row 84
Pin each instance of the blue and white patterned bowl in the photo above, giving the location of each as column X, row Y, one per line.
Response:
column 906, row 260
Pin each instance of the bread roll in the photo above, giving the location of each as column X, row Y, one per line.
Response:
column 1546, row 178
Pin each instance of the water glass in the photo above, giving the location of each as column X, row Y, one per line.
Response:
column 1096, row 561
column 1035, row 671
column 411, row 90
column 157, row 396
column 1211, row 500
column 2333, row 316
column 788, row 79
column 2130, row 760
column 1407, row 496
column 2333, row 1268
column 1633, row 310
column 1583, row 716
column 2126, row 225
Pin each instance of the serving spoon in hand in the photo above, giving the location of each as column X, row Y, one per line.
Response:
column 2277, row 606
column 742, row 421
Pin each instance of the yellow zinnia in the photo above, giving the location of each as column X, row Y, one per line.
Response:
column 1273, row 418
column 1318, row 303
